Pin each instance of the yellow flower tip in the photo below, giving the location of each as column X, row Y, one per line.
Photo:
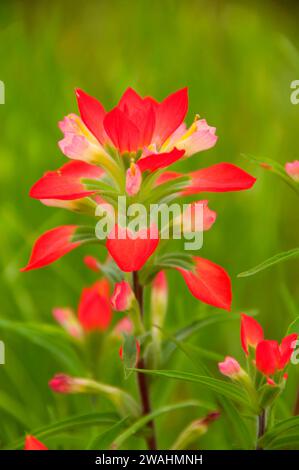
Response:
column 133, row 168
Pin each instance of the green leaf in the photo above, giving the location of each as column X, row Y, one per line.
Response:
column 279, row 258
column 48, row 337
column 13, row 408
column 228, row 390
column 193, row 328
column 286, row 426
column 111, row 271
column 293, row 327
column 288, row 441
column 86, row 234
column 242, row 432
column 105, row 439
column 78, row 421
column 166, row 261
column 140, row 423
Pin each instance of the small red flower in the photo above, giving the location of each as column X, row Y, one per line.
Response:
column 131, row 250
column 31, row 443
column 251, row 332
column 95, row 311
column 51, row 246
column 209, row 283
column 272, row 357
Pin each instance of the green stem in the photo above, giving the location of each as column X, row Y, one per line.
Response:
column 261, row 426
column 142, row 379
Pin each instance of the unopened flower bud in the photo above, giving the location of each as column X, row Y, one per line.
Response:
column 133, row 180
column 125, row 404
column 123, row 297
column 63, row 383
column 231, row 368
column 194, row 431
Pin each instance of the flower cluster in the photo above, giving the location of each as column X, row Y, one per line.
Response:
column 125, row 152
column 268, row 357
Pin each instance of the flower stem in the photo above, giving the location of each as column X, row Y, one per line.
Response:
column 261, row 420
column 142, row 378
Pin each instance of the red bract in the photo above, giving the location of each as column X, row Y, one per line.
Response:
column 135, row 122
column 92, row 263
column 251, row 332
column 31, row 443
column 66, row 182
column 209, row 283
column 95, row 311
column 92, row 113
column 222, row 177
column 51, row 246
column 137, row 137
column 154, row 161
column 131, row 250
column 272, row 357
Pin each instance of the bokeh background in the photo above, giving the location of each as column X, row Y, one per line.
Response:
column 238, row 60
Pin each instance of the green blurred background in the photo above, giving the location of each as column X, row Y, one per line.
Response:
column 238, row 60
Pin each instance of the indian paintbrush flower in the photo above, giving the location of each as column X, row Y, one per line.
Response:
column 125, row 151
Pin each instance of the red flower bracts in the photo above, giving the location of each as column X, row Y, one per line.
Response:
column 127, row 151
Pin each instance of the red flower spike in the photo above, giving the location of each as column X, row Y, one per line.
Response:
column 155, row 161
column 131, row 251
column 123, row 133
column 31, row 443
column 95, row 311
column 170, row 113
column 286, row 349
column 251, row 332
column 92, row 113
column 267, row 357
column 209, row 283
column 65, row 183
column 51, row 246
column 221, row 177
